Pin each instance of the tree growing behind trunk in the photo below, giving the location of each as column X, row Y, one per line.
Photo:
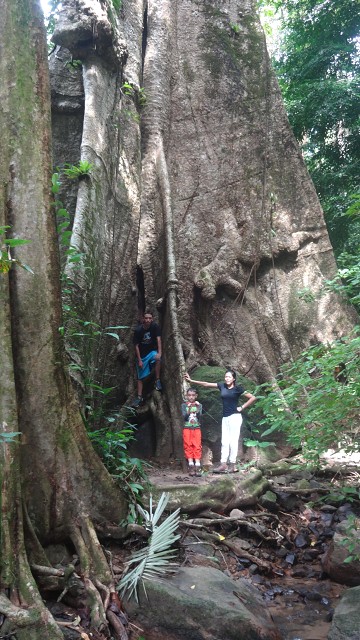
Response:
column 232, row 247
column 53, row 486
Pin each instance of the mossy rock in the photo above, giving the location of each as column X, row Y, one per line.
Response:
column 211, row 492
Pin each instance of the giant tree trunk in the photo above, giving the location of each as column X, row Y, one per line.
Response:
column 232, row 245
column 65, row 490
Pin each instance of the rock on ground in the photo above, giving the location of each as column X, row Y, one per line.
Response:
column 346, row 621
column 202, row 603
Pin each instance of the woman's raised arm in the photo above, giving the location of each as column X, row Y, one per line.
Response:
column 212, row 385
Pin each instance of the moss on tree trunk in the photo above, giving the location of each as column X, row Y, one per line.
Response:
column 51, row 474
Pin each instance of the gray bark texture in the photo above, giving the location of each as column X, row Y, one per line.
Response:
column 203, row 187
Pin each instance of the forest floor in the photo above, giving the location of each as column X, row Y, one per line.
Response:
column 284, row 561
column 278, row 550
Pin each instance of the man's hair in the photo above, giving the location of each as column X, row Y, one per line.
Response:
column 191, row 389
column 148, row 312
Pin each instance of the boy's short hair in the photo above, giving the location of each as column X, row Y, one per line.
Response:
column 192, row 389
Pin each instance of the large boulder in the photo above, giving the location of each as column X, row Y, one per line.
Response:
column 334, row 559
column 202, row 603
column 346, row 620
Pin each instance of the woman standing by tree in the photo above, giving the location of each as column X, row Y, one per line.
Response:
column 232, row 418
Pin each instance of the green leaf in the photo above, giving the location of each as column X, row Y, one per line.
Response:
column 15, row 242
column 26, row 267
column 10, row 435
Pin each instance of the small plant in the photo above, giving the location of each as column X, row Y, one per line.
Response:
column 306, row 294
column 74, row 63
column 142, row 97
column 128, row 89
column 351, row 540
column 155, row 559
column 83, row 168
column 6, row 244
column 235, row 28
column 133, row 116
column 257, row 444
column 337, row 496
column 139, row 95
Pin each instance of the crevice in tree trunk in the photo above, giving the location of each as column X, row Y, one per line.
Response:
column 140, row 285
column 144, row 41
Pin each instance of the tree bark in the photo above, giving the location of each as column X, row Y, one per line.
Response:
column 65, row 490
column 227, row 225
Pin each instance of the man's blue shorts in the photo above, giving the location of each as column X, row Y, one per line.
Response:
column 148, row 363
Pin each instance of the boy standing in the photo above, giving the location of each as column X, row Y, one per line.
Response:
column 192, row 411
column 147, row 341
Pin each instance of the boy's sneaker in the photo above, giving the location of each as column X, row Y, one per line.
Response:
column 137, row 402
column 191, row 468
column 198, row 471
column 158, row 385
column 233, row 468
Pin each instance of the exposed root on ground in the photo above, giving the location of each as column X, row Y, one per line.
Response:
column 87, row 584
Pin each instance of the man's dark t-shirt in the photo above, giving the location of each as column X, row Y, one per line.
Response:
column 147, row 338
column 230, row 398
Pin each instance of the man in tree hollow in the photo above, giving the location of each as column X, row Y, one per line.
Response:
column 148, row 348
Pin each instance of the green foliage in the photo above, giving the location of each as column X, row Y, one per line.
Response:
column 310, row 403
column 117, row 4
column 347, row 279
column 6, row 244
column 139, row 95
column 111, row 443
column 354, row 208
column 257, row 443
column 337, row 495
column 83, row 168
column 155, row 559
column 351, row 540
column 306, row 294
column 74, row 63
column 235, row 28
column 142, row 97
column 318, row 66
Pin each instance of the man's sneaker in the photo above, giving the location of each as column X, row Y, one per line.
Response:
column 137, row 402
column 233, row 468
column 191, row 468
column 158, row 385
column 198, row 471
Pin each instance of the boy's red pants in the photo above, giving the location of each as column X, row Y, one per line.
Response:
column 192, row 443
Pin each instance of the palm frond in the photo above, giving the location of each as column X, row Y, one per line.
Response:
column 152, row 518
column 155, row 559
